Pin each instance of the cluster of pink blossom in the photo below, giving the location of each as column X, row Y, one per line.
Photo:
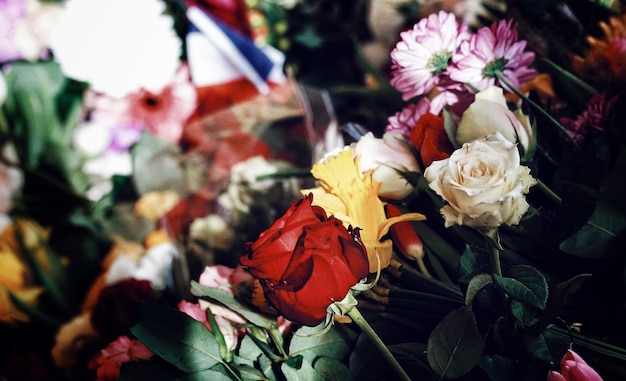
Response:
column 440, row 59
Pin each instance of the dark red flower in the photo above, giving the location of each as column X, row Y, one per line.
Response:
column 592, row 120
column 306, row 261
column 429, row 138
column 119, row 307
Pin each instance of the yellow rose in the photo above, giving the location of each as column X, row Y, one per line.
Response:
column 483, row 183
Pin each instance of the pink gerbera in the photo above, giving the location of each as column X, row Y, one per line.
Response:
column 421, row 58
column 403, row 121
column 490, row 51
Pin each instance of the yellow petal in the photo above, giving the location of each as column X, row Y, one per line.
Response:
column 13, row 269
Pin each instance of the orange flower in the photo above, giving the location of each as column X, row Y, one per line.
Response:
column 606, row 58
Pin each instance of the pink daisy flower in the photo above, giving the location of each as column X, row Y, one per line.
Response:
column 403, row 121
column 489, row 51
column 421, row 59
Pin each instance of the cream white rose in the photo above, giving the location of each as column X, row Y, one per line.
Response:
column 489, row 113
column 483, row 184
column 386, row 157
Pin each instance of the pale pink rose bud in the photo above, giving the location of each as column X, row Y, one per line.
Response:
column 489, row 113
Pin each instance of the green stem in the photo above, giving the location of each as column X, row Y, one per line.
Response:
column 493, row 242
column 277, row 337
column 548, row 192
column 502, row 79
column 571, row 77
column 356, row 316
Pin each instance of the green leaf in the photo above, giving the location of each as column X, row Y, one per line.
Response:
column 335, row 343
column 295, row 361
column 526, row 285
column 468, row 262
column 248, row 350
column 331, row 369
column 476, row 284
column 558, row 295
column 226, row 298
column 248, row 372
column 304, row 373
column 602, row 236
column 177, row 338
column 155, row 370
column 497, row 367
column 537, row 347
column 455, row 345
column 523, row 312
column 31, row 110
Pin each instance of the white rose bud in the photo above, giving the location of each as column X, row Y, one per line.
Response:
column 483, row 184
column 214, row 231
column 489, row 113
column 386, row 157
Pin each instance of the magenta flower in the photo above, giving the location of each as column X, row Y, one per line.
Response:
column 421, row 59
column 574, row 368
column 403, row 121
column 491, row 51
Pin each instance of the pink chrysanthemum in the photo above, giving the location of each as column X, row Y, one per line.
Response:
column 592, row 120
column 403, row 121
column 420, row 60
column 491, row 50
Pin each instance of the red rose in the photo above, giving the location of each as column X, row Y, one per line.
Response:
column 429, row 138
column 306, row 261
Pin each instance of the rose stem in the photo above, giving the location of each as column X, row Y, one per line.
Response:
column 356, row 316
column 493, row 241
column 548, row 192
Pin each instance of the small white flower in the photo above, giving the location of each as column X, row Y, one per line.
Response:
column 212, row 230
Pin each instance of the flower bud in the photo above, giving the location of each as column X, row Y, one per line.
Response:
column 387, row 158
column 574, row 368
column 488, row 114
column 404, row 236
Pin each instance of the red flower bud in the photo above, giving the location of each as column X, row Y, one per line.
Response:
column 405, row 239
column 404, row 236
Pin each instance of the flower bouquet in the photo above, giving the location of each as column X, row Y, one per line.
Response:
column 438, row 202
